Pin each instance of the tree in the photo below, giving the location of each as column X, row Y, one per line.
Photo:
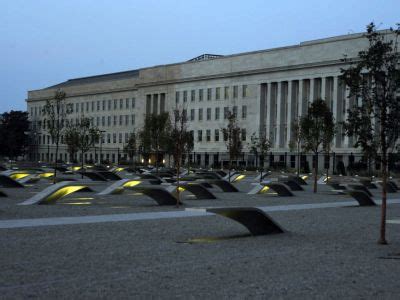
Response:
column 182, row 142
column 130, row 148
column 55, row 111
column 13, row 138
column 82, row 136
column 154, row 134
column 71, row 139
column 374, row 80
column 232, row 138
column 295, row 141
column 260, row 145
column 318, row 130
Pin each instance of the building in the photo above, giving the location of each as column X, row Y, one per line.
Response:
column 266, row 89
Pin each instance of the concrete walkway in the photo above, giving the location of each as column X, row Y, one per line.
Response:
column 190, row 212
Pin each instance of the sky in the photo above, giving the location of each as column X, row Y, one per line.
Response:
column 45, row 42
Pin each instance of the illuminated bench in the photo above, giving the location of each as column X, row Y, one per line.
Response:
column 198, row 190
column 94, row 176
column 56, row 191
column 359, row 187
column 264, row 187
column 118, row 186
column 158, row 194
column 294, row 186
column 224, row 185
column 109, row 175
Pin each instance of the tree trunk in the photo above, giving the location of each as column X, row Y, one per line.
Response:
column 55, row 166
column 382, row 237
column 178, row 194
column 82, row 164
column 315, row 172
column 229, row 170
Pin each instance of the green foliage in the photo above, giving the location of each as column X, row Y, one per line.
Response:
column 13, row 139
column 317, row 127
column 81, row 136
column 232, row 137
column 260, row 144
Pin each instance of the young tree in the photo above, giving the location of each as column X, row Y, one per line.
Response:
column 55, row 111
column 295, row 141
column 13, row 138
column 374, row 80
column 232, row 138
column 318, row 130
column 130, row 148
column 182, row 141
column 154, row 134
column 71, row 139
column 84, row 135
column 260, row 145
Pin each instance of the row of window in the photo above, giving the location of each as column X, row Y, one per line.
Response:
column 216, row 135
column 105, row 138
column 216, row 113
column 92, row 106
column 217, row 93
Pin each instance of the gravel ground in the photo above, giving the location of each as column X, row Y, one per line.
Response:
column 325, row 253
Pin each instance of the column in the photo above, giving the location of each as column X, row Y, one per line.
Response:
column 334, row 104
column 346, row 101
column 323, row 88
column 289, row 113
column 312, row 82
column 300, row 100
column 268, row 110
column 278, row 115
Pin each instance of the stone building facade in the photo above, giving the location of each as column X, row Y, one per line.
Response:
column 267, row 90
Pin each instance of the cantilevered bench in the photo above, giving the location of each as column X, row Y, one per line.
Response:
column 2, row 194
column 159, row 194
column 359, row 187
column 362, row 198
column 54, row 192
column 224, row 185
column 198, row 190
column 263, row 187
column 118, row 186
column 254, row 219
column 32, row 178
column 389, row 187
column 8, row 182
column 368, row 184
column 94, row 176
column 109, row 175
column 294, row 186
column 337, row 186
column 298, row 180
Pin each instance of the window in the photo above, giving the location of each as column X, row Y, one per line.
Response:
column 109, row 121
column 235, row 91
column 208, row 135
column 87, row 106
column 97, row 121
column 109, row 104
column 115, row 121
column 98, row 105
column 234, row 111
column 200, row 114
column 126, row 137
column 209, row 91
column 132, row 119
column 121, row 104
column 77, row 107
column 104, row 105
column 217, row 93
column 126, row 103
column 226, row 92
column 126, row 120
column 201, row 95
column 115, row 104
column 216, row 135
column 244, row 91
column 226, row 112
column 208, row 113
column 120, row 138
column 243, row 134
column 177, row 97
column 103, row 121
column 184, row 96
column 244, row 112
column 92, row 106
column 82, row 107
column 114, row 138
column 133, row 102
column 108, row 138
column 217, row 113
column 192, row 95
column 192, row 115
column 120, row 120
column 199, row 135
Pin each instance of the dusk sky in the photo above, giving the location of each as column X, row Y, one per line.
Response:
column 44, row 42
